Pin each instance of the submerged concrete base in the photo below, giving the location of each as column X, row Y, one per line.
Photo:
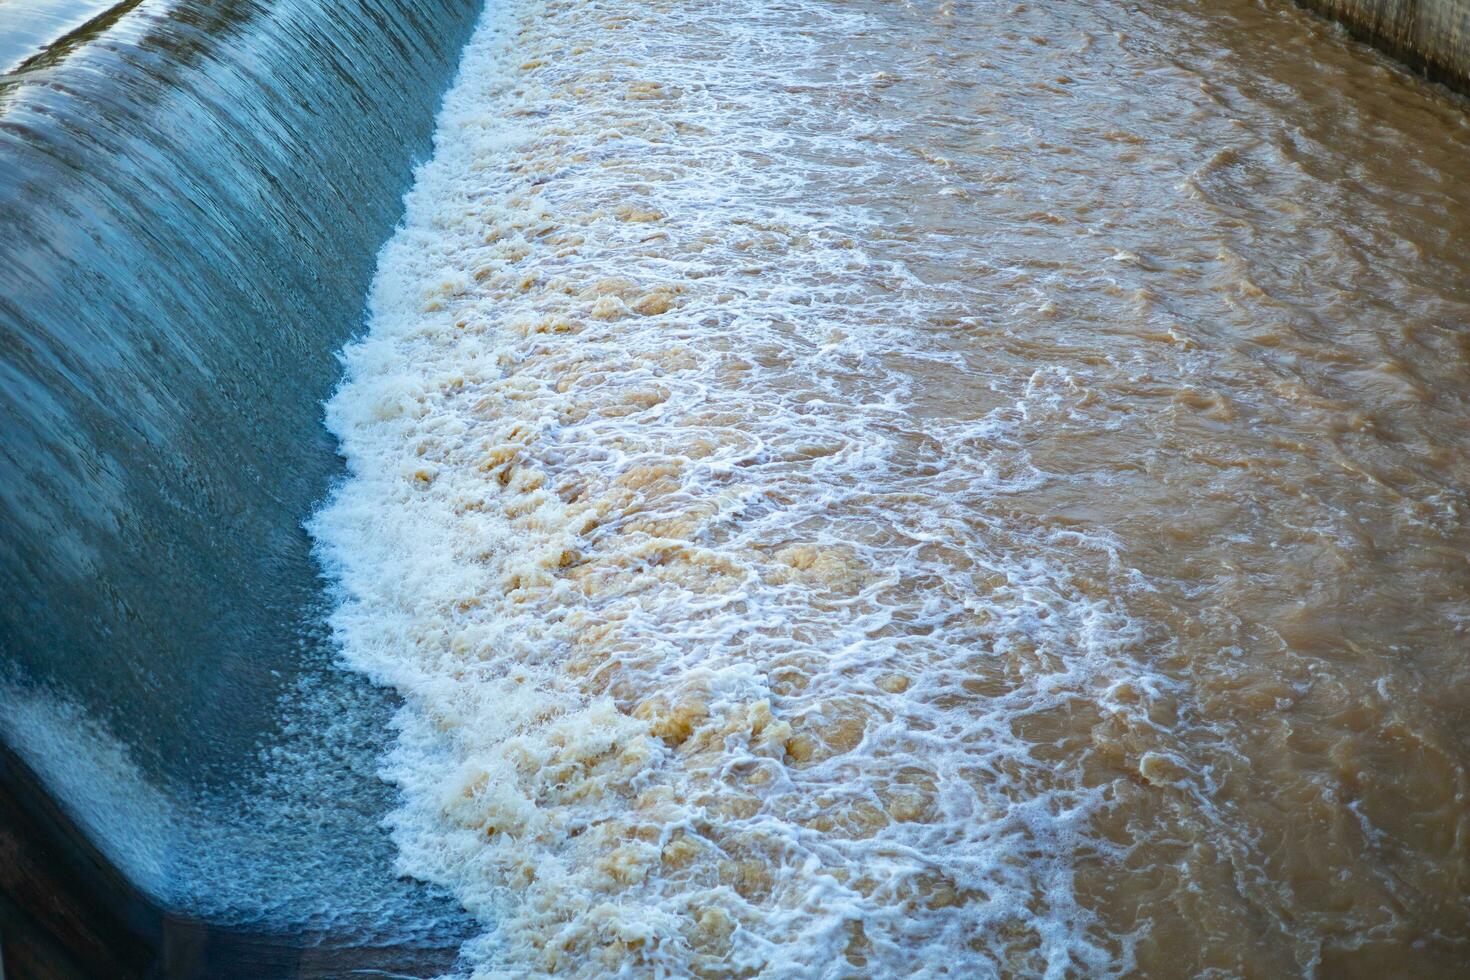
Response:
column 67, row 914
column 1432, row 36
column 65, row 911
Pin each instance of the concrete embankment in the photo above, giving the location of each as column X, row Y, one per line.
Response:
column 1432, row 36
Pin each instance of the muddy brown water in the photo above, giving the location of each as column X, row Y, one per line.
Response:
column 969, row 488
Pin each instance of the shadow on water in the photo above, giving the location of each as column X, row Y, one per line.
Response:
column 193, row 194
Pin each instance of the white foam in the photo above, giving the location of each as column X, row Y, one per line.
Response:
column 718, row 651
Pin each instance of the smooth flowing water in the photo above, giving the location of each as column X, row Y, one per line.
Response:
column 924, row 489
column 191, row 197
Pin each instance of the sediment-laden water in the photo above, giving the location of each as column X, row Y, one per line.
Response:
column 917, row 489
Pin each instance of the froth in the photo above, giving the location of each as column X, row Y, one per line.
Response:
column 721, row 654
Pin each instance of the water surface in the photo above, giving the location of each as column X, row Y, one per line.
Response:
column 854, row 488
column 191, row 198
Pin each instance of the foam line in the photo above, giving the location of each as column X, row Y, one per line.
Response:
column 717, row 653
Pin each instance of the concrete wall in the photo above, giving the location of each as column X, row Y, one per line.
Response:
column 1430, row 35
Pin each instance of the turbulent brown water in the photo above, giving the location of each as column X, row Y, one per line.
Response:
column 875, row 489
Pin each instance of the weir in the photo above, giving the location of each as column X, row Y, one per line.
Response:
column 193, row 196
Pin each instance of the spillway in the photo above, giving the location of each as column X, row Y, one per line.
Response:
column 192, row 198
column 782, row 489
